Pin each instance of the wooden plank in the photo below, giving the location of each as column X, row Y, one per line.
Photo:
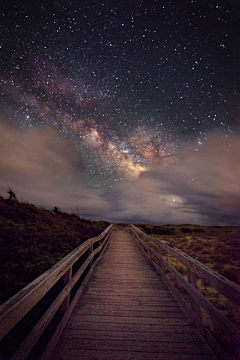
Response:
column 138, row 336
column 136, row 313
column 128, row 306
column 125, row 355
column 125, row 312
column 98, row 288
column 125, row 302
column 130, row 345
column 93, row 318
column 164, row 327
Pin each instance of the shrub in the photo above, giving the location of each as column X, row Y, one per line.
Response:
column 186, row 230
column 162, row 231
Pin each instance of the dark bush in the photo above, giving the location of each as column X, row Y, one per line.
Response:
column 186, row 230
column 200, row 231
column 158, row 230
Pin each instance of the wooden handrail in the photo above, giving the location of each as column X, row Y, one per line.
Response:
column 14, row 309
column 195, row 270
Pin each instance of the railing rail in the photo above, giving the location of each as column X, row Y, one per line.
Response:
column 16, row 308
column 195, row 270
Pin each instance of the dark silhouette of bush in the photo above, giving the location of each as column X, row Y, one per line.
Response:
column 186, row 230
column 199, row 231
column 144, row 228
column 11, row 194
column 159, row 230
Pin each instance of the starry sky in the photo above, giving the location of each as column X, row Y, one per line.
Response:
column 122, row 110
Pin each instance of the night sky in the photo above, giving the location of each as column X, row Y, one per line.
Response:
column 122, row 110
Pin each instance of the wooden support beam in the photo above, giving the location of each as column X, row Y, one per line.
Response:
column 192, row 279
column 66, row 279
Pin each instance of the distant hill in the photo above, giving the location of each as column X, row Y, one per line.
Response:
column 32, row 239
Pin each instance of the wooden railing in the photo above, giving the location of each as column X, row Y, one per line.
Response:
column 194, row 270
column 55, row 292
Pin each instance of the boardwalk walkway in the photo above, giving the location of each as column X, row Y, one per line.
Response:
column 127, row 313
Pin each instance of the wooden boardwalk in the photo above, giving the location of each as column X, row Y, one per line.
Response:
column 128, row 313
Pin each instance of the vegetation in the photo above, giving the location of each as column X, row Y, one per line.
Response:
column 215, row 246
column 32, row 239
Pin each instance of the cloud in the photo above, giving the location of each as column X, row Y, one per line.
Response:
column 202, row 187
column 44, row 168
column 196, row 187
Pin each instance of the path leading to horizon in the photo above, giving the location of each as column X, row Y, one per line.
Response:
column 128, row 313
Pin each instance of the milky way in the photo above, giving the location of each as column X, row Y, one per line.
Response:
column 129, row 84
column 73, row 107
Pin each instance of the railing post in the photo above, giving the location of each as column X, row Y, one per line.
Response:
column 147, row 250
column 161, row 252
column 66, row 279
column 192, row 279
column 90, row 252
column 100, row 243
